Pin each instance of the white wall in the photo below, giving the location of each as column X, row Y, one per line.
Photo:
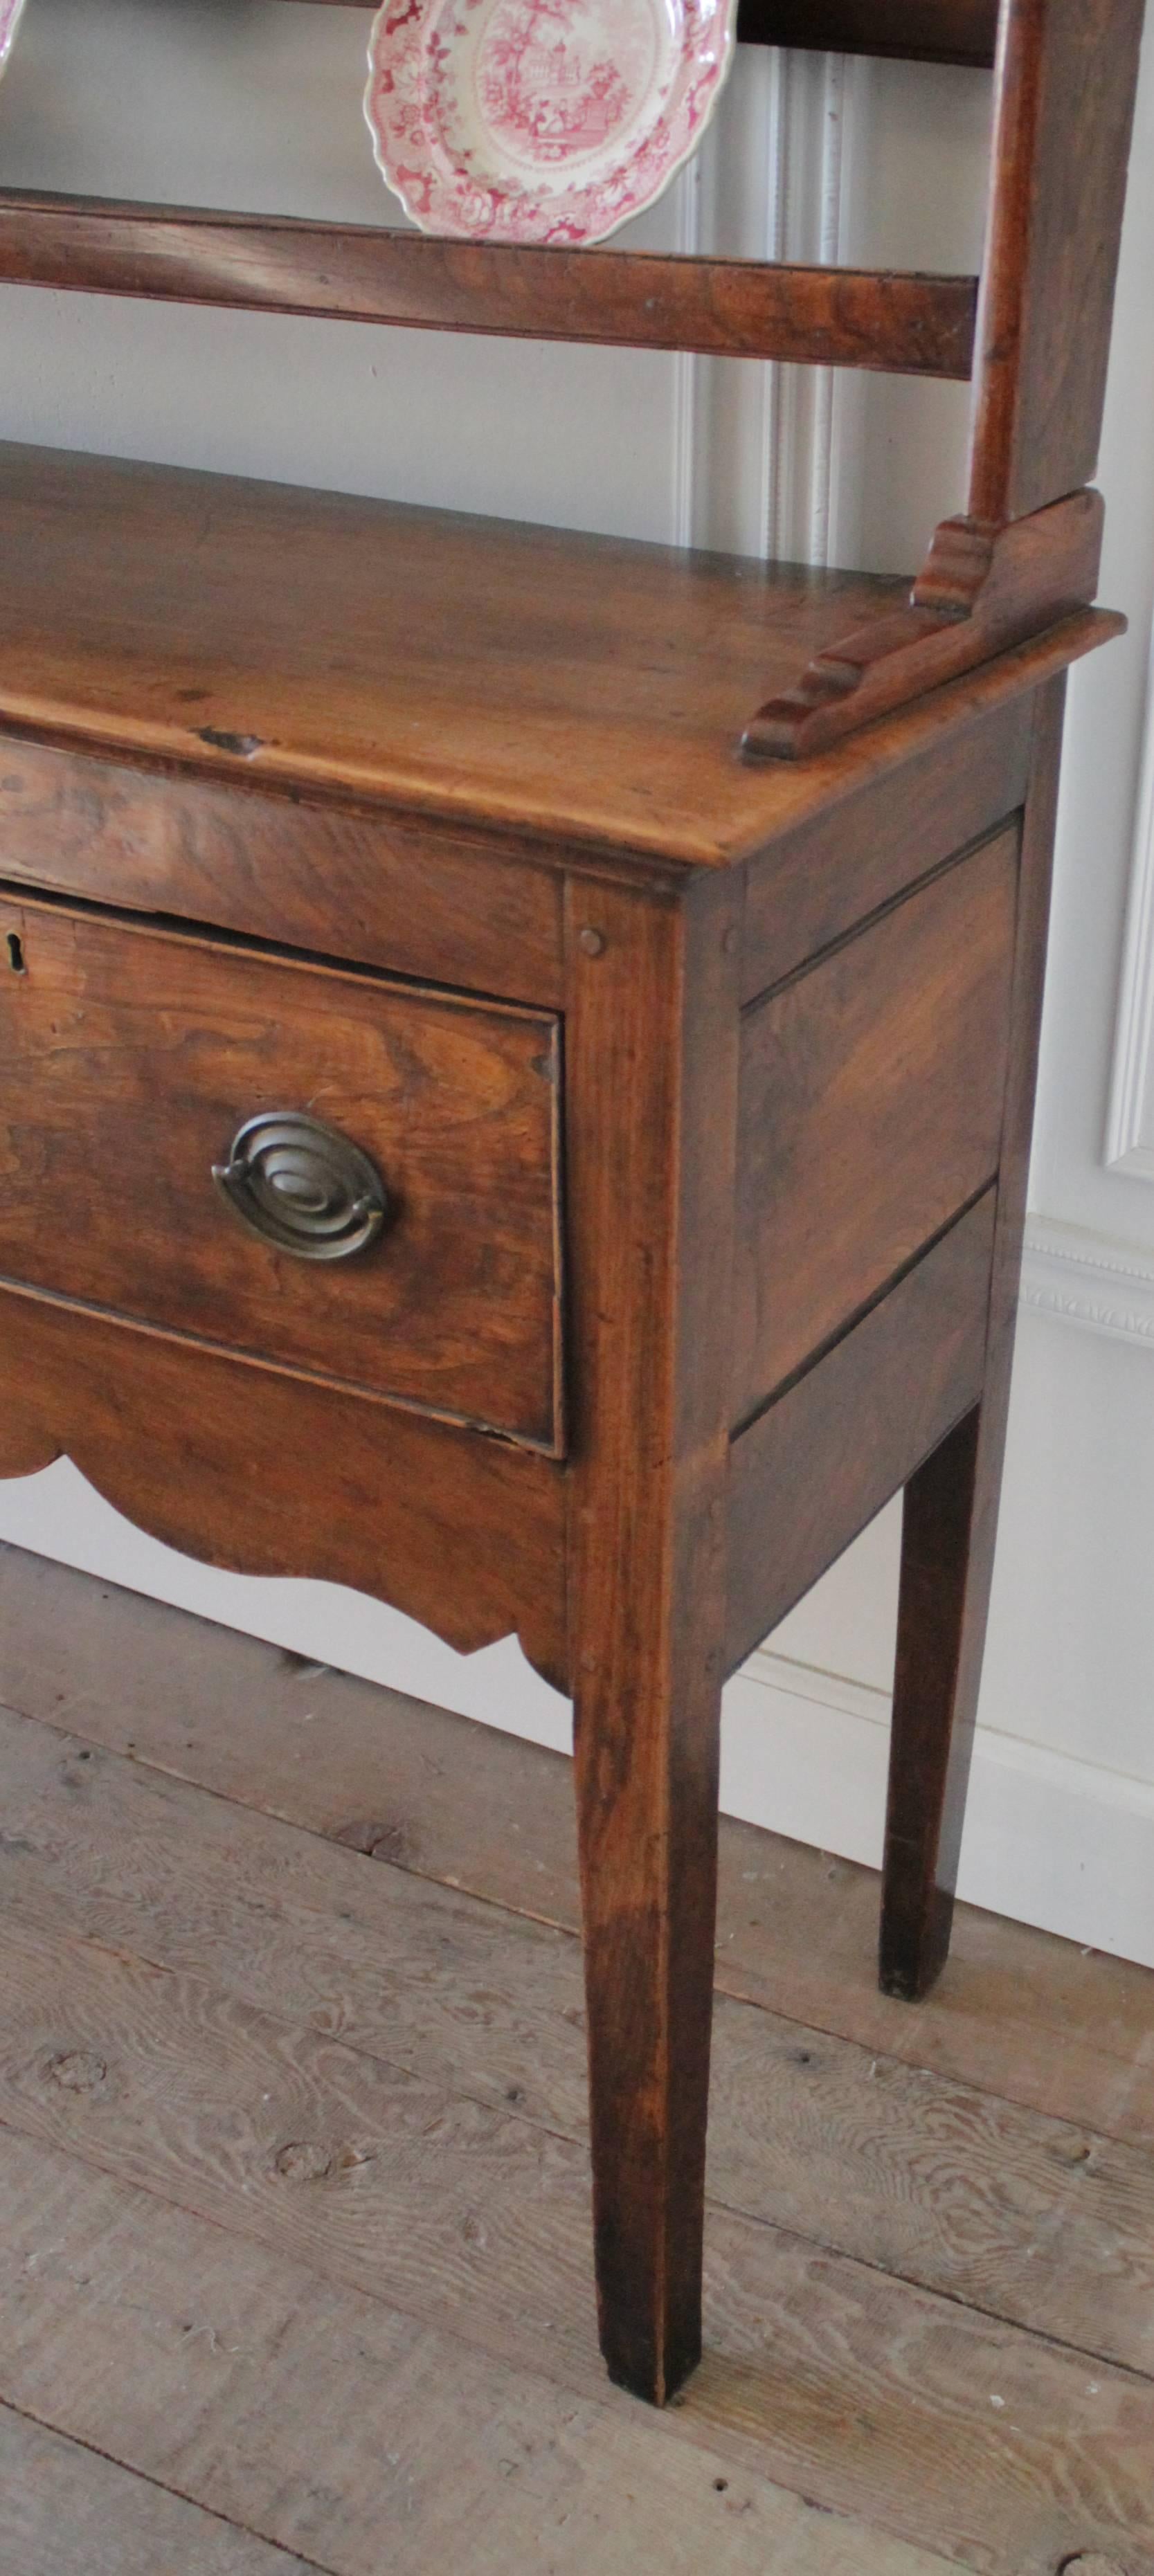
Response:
column 249, row 103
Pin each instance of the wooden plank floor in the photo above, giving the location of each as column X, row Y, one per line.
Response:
column 294, row 2245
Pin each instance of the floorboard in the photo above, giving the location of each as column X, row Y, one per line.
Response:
column 298, row 2136
column 1020, row 2013
column 67, row 2512
column 362, row 2439
column 1020, row 2215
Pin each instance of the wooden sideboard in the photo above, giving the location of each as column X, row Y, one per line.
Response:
column 695, row 1096
column 520, row 1048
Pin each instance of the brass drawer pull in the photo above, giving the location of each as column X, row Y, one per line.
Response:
column 302, row 1187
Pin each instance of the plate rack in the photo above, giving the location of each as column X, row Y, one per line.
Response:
column 1032, row 332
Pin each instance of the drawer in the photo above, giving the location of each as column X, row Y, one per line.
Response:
column 132, row 1057
column 870, row 1111
column 227, row 856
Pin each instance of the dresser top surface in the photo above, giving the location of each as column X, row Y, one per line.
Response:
column 584, row 688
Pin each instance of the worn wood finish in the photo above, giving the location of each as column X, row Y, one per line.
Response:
column 131, row 1058
column 566, row 711
column 1065, row 86
column 795, row 1199
column 814, row 1468
column 1023, row 2016
column 815, row 883
column 900, row 324
column 871, row 1110
column 579, row 688
column 982, row 587
column 1064, row 110
column 651, row 1129
column 952, row 1505
column 1064, row 106
column 1033, row 2219
column 272, row 1474
column 583, row 692
column 337, row 882
column 274, row 2443
column 474, row 2224
column 935, row 31
column 928, row 31
column 70, row 2513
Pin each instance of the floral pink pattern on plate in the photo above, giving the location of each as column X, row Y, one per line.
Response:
column 10, row 11
column 540, row 120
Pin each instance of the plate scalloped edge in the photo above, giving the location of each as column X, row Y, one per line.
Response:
column 11, row 12
column 527, row 90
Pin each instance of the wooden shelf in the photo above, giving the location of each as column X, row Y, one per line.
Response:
column 931, row 31
column 905, row 325
column 892, row 323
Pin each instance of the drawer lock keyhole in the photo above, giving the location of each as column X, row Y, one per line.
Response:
column 15, row 946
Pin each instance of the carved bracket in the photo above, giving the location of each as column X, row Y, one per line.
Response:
column 982, row 588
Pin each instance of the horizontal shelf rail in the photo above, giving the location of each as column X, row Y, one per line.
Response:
column 894, row 323
column 928, row 31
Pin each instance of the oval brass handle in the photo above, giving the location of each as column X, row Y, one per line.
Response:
column 302, row 1187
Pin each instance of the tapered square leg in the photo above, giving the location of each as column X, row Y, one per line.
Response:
column 647, row 1812
column 652, row 1031
column 941, row 1625
column 951, row 1504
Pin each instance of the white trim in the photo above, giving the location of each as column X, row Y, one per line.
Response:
column 1049, row 1840
column 1130, row 1126
column 808, row 106
column 829, row 232
column 1079, row 1277
column 687, row 243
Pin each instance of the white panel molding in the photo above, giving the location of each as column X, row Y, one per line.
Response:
column 687, row 241
column 809, row 102
column 1130, row 1126
column 1049, row 1840
column 1079, row 1277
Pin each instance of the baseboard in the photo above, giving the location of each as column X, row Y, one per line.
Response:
column 1049, row 1840
column 1079, row 1277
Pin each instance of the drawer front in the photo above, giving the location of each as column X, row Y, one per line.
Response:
column 237, row 859
column 132, row 1056
column 870, row 1111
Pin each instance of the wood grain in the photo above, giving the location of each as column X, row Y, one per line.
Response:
column 1063, row 115
column 651, row 1128
column 329, row 880
column 1035, row 2220
column 131, row 1058
column 273, row 1474
column 937, row 31
column 902, row 324
column 983, row 586
column 871, row 1112
column 817, row 882
column 585, row 692
column 822, row 2373
column 952, row 1505
column 484, row 2465
column 821, row 1461
column 1028, row 2017
column 67, row 2512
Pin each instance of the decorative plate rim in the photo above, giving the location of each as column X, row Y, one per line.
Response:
column 723, row 32
column 11, row 12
